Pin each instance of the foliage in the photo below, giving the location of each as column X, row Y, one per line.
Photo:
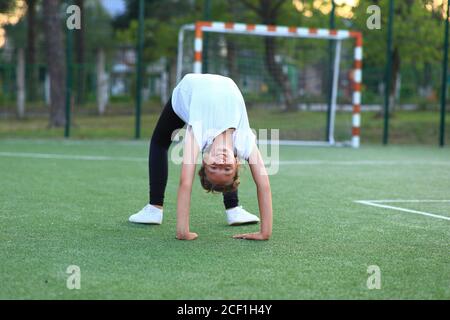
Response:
column 416, row 32
column 6, row 5
column 99, row 30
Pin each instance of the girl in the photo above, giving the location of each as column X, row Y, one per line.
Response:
column 217, row 125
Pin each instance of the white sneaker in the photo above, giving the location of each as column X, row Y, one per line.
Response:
column 238, row 216
column 149, row 214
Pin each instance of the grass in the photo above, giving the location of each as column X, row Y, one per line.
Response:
column 406, row 127
column 60, row 212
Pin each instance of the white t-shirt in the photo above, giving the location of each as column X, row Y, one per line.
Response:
column 211, row 104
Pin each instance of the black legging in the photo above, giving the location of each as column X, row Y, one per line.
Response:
column 158, row 161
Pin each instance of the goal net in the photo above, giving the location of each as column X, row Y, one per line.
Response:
column 305, row 82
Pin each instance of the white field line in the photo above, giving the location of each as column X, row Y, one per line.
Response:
column 362, row 162
column 376, row 203
column 401, row 200
column 68, row 157
column 268, row 162
column 93, row 142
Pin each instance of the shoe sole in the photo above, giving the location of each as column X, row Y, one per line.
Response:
column 155, row 223
column 242, row 223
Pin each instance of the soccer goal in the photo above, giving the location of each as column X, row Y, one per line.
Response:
column 285, row 68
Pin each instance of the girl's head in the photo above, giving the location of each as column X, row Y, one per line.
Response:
column 219, row 171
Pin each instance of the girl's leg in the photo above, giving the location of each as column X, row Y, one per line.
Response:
column 158, row 160
column 230, row 199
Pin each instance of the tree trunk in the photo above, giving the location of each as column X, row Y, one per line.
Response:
column 276, row 71
column 56, row 61
column 31, row 50
column 20, row 78
column 102, row 83
column 269, row 13
column 47, row 97
column 231, row 46
column 394, row 79
column 171, row 75
column 164, row 94
column 80, row 55
column 231, row 59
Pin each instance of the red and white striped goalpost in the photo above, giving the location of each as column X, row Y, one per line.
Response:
column 284, row 31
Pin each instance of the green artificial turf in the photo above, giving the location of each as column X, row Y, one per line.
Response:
column 57, row 212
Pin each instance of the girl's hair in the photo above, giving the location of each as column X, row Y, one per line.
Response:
column 210, row 187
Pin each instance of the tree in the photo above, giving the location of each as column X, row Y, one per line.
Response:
column 20, row 83
column 31, row 49
column 162, row 22
column 7, row 5
column 417, row 39
column 56, row 60
column 98, row 42
column 268, row 12
column 17, row 36
column 80, row 54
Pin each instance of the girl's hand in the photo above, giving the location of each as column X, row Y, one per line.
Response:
column 252, row 236
column 188, row 236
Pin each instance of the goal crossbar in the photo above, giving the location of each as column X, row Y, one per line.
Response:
column 288, row 31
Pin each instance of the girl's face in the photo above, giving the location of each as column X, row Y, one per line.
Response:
column 220, row 165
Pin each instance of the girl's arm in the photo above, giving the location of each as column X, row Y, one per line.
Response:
column 264, row 193
column 190, row 153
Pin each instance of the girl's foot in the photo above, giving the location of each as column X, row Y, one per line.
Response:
column 149, row 214
column 238, row 215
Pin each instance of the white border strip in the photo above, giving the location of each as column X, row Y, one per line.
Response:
column 56, row 156
column 401, row 200
column 68, row 156
column 376, row 203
